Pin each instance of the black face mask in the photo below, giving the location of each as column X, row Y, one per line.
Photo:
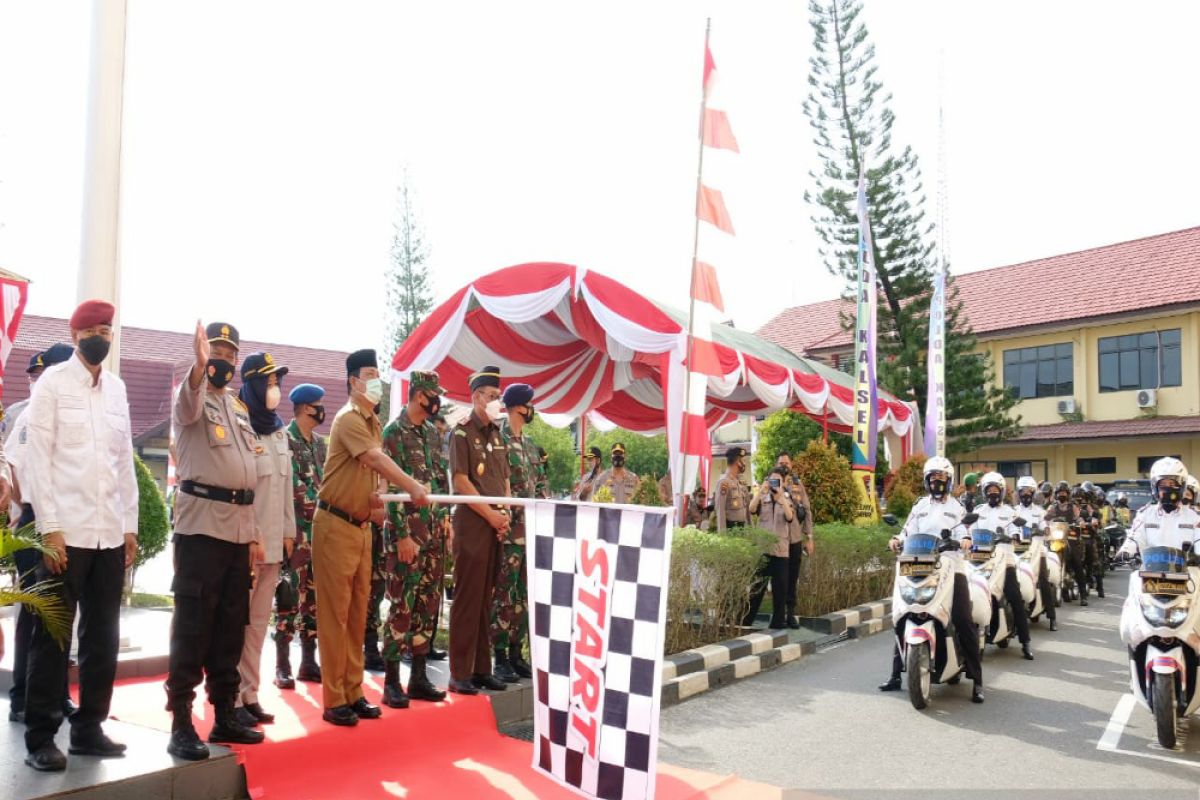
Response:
column 937, row 488
column 220, row 372
column 94, row 349
column 1169, row 499
column 618, row 461
column 1062, row 499
column 432, row 406
column 1026, row 499
column 528, row 415
column 993, row 500
column 318, row 414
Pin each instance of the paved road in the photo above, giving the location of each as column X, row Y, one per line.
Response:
column 820, row 725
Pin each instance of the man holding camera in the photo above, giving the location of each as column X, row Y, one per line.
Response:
column 776, row 514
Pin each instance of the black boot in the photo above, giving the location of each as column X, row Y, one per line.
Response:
column 309, row 670
column 1053, row 624
column 977, row 693
column 504, row 670
column 372, row 660
column 419, row 685
column 185, row 743
column 393, row 692
column 1026, row 653
column 226, row 728
column 892, row 684
column 519, row 665
column 1100, row 588
column 283, row 665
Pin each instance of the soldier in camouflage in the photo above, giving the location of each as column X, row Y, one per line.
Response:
column 296, row 596
column 372, row 659
column 414, row 544
column 510, row 602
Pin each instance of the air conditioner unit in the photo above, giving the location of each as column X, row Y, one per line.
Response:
column 1066, row 406
column 1147, row 398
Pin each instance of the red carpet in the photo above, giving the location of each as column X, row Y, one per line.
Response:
column 443, row 750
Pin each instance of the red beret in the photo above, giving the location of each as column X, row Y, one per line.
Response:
column 92, row 312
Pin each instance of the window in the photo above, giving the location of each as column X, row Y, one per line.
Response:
column 1146, row 462
column 1046, row 371
column 1105, row 465
column 1140, row 361
column 1014, row 469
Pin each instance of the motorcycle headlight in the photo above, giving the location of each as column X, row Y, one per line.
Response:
column 917, row 595
column 926, row 593
column 1171, row 616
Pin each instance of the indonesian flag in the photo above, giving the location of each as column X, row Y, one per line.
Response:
column 14, row 292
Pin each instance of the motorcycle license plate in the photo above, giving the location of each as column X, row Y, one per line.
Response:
column 914, row 569
column 1164, row 586
column 979, row 558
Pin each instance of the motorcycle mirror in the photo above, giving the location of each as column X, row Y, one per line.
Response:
column 1187, row 547
column 970, row 519
column 1019, row 522
column 890, row 519
column 946, row 533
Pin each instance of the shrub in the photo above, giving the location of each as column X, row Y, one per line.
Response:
column 709, row 588
column 911, row 476
column 832, row 494
column 153, row 527
column 647, row 493
column 900, row 500
column 851, row 565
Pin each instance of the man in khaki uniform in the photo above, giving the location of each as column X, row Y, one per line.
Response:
column 733, row 497
column 216, row 543
column 341, row 555
column 620, row 481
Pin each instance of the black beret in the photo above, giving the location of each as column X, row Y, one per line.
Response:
column 223, row 332
column 486, row 376
column 734, row 453
column 360, row 359
column 518, row 394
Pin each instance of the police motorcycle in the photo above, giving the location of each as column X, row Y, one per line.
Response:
column 922, row 598
column 1112, row 536
column 1160, row 624
column 989, row 562
column 1057, row 533
column 1029, row 549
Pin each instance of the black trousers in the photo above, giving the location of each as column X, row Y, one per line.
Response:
column 92, row 583
column 1047, row 590
column 795, row 554
column 1075, row 563
column 1020, row 612
column 1091, row 561
column 212, row 609
column 772, row 570
column 26, row 562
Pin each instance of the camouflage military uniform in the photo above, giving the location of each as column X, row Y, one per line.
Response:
column 510, row 602
column 413, row 589
column 542, row 487
column 308, row 459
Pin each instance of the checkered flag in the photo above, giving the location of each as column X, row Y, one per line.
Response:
column 598, row 590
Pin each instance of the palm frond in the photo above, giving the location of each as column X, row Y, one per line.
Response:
column 42, row 599
column 25, row 538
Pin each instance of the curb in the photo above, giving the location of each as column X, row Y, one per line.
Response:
column 694, row 672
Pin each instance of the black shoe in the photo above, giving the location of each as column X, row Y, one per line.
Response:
column 394, row 696
column 463, row 687
column 892, row 684
column 47, row 758
column 69, row 708
column 373, row 661
column 792, row 622
column 186, row 744
column 436, row 655
column 245, row 717
column 504, row 671
column 1026, row 653
column 488, row 682
column 228, row 730
column 97, row 744
column 977, row 694
column 1053, row 624
column 342, row 715
column 365, row 710
column 16, row 716
column 1083, row 601
column 310, row 671
column 1100, row 593
column 519, row 665
column 419, row 686
column 283, row 666
column 259, row 714
column 777, row 625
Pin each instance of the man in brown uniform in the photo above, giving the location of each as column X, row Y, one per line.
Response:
column 478, row 466
column 621, row 482
column 216, row 542
column 341, row 554
column 732, row 495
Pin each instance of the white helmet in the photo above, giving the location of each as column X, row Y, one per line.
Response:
column 992, row 479
column 939, row 464
column 1026, row 482
column 1167, row 468
column 1192, row 484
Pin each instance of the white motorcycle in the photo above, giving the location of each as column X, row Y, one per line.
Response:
column 1029, row 550
column 1160, row 624
column 990, row 553
column 921, row 603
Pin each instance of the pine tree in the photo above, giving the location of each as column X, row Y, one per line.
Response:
column 409, row 295
column 849, row 112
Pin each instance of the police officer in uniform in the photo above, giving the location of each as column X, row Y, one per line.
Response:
column 621, row 482
column 1063, row 509
column 296, row 597
column 510, row 602
column 479, row 466
column 216, row 543
column 583, row 489
column 414, row 540
column 733, row 497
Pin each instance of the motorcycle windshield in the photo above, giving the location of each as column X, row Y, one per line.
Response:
column 982, row 540
column 920, row 544
column 1163, row 559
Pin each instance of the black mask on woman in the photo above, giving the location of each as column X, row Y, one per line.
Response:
column 94, row 349
column 220, row 372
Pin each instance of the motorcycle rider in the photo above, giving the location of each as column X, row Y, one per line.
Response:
column 1045, row 495
column 1190, row 491
column 1035, row 518
column 1168, row 523
column 1121, row 509
column 1090, row 536
column 939, row 509
column 997, row 515
column 1063, row 509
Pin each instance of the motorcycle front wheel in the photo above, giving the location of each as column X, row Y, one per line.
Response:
column 1164, row 709
column 919, row 678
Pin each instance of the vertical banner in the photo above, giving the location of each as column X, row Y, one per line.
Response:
column 14, row 292
column 598, row 597
column 866, row 409
column 935, row 403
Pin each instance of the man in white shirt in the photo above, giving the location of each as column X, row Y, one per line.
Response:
column 78, row 468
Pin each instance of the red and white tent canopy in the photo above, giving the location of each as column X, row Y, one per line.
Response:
column 588, row 344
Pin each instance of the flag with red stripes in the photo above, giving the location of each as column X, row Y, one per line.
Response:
column 14, row 292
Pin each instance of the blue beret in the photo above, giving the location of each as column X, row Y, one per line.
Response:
column 518, row 394
column 57, row 353
column 306, row 394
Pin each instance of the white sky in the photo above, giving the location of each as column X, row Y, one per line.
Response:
column 263, row 141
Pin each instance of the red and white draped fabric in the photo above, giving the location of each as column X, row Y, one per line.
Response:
column 14, row 292
column 590, row 345
column 714, row 239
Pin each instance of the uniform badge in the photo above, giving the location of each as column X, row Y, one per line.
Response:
column 479, row 469
column 219, row 431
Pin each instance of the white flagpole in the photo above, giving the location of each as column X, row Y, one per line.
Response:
column 100, row 258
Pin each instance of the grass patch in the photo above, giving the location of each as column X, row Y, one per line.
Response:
column 145, row 600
